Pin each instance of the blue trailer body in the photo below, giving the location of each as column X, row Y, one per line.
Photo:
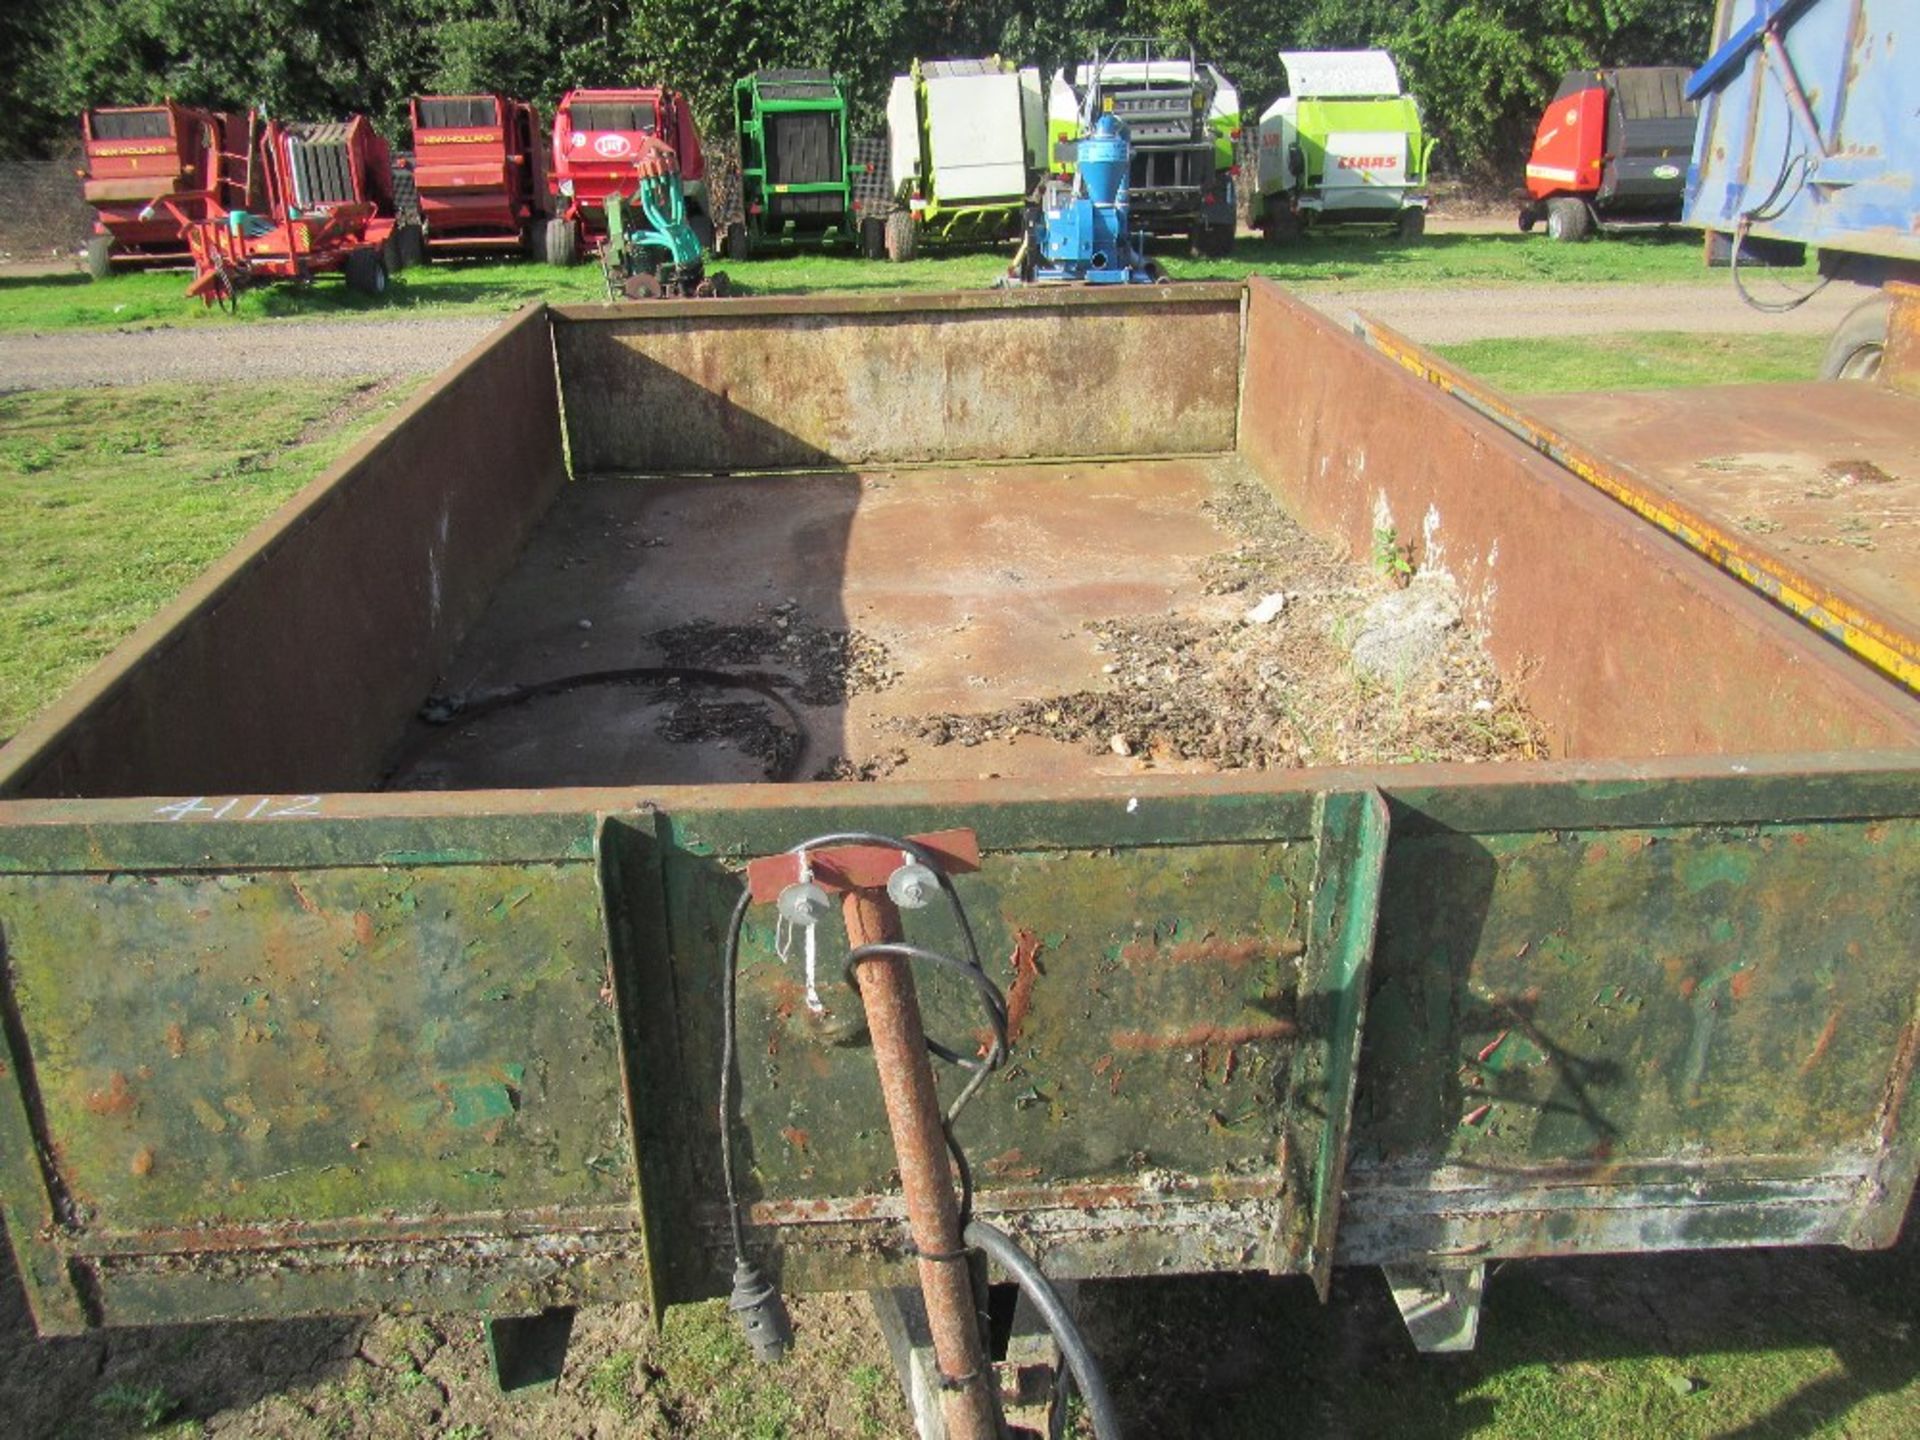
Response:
column 1810, row 131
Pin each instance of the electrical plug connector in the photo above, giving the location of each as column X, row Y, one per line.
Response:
column 761, row 1310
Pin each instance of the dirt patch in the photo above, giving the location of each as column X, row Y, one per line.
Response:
column 415, row 1376
column 747, row 725
column 828, row 664
column 1275, row 688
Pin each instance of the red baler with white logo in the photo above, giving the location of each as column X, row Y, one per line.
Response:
column 597, row 135
column 1611, row 151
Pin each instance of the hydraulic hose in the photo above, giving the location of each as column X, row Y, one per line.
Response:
column 1080, row 1362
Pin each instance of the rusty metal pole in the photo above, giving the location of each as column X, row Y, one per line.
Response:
column 933, row 1214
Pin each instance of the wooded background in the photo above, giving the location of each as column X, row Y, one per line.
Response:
column 1482, row 68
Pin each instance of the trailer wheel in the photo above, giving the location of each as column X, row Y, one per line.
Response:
column 366, row 272
column 739, row 243
column 562, row 242
column 1412, row 224
column 901, row 240
column 1858, row 344
column 99, row 256
column 873, row 238
column 1568, row 219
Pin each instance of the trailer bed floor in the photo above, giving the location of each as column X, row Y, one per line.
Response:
column 881, row 599
column 1825, row 476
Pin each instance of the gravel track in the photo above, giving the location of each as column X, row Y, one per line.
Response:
column 1489, row 312
column 332, row 349
column 263, row 350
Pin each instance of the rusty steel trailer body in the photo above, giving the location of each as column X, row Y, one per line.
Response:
column 280, row 1042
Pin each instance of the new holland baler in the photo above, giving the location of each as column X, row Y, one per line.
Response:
column 480, row 170
column 138, row 157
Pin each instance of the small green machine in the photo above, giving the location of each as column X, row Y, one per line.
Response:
column 651, row 250
column 795, row 183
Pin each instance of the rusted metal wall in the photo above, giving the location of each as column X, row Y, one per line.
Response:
column 1622, row 643
column 1900, row 367
column 874, row 380
column 293, row 662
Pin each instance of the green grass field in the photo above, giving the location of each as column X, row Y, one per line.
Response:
column 112, row 500
column 1655, row 360
column 69, row 302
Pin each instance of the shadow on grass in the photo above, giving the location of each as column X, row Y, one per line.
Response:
column 42, row 282
column 124, row 1382
column 1708, row 1344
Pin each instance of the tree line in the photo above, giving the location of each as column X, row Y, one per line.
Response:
column 1482, row 68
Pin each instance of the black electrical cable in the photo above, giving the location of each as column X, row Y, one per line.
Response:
column 1053, row 1310
column 1083, row 1371
column 729, row 1040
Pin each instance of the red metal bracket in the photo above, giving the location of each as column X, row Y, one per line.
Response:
column 860, row 867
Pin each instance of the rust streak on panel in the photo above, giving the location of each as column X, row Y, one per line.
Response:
column 1026, row 971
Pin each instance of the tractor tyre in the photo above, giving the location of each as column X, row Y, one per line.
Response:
column 1568, row 219
column 1411, row 225
column 99, row 256
column 1858, row 344
column 366, row 272
column 873, row 238
column 1215, row 242
column 902, row 240
column 1280, row 220
column 702, row 227
column 739, row 243
column 562, row 242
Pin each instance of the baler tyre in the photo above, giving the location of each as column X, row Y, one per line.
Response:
column 562, row 242
column 1859, row 342
column 1282, row 221
column 99, row 256
column 412, row 244
column 1529, row 218
column 366, row 272
column 739, row 243
column 1411, row 225
column 901, row 240
column 1568, row 219
column 873, row 238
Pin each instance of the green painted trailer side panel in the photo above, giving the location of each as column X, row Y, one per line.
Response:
column 376, row 1059
column 1601, row 997
column 322, row 1044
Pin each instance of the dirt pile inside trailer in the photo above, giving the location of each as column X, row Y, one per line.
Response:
column 1275, row 686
